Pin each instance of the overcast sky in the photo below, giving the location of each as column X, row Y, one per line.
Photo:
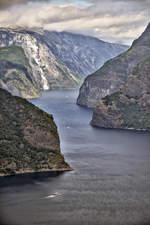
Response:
column 119, row 21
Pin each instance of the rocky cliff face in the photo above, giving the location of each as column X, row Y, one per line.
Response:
column 47, row 70
column 110, row 77
column 29, row 140
column 82, row 54
column 129, row 108
column 16, row 74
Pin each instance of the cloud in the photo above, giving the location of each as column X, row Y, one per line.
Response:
column 110, row 20
column 8, row 3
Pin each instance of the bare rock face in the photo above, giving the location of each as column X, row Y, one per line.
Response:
column 110, row 77
column 29, row 140
column 129, row 108
column 82, row 54
column 47, row 70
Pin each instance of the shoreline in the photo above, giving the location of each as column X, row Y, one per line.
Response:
column 36, row 172
column 119, row 128
column 31, row 177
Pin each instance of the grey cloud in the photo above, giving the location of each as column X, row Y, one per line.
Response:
column 111, row 20
column 7, row 3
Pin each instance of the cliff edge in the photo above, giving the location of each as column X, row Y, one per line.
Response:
column 110, row 77
column 129, row 108
column 29, row 140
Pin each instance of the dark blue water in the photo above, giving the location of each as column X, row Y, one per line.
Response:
column 109, row 186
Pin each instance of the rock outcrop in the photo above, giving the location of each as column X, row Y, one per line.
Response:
column 129, row 108
column 29, row 140
column 110, row 77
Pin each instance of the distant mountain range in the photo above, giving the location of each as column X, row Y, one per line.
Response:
column 55, row 60
column 82, row 54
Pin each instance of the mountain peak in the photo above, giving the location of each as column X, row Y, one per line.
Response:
column 147, row 30
column 148, row 27
column 113, row 74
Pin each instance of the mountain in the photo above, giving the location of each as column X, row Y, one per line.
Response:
column 129, row 108
column 57, row 59
column 114, row 73
column 29, row 140
column 16, row 74
column 82, row 54
column 47, row 71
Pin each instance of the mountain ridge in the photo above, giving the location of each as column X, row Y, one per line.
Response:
column 113, row 74
column 48, row 71
column 82, row 54
column 58, row 59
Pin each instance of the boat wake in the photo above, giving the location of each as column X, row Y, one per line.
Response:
column 53, row 195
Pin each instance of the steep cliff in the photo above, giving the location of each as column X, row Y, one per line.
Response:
column 29, row 140
column 82, row 54
column 58, row 60
column 16, row 74
column 129, row 108
column 110, row 77
column 47, row 70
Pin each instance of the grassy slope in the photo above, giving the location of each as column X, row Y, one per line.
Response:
column 15, row 72
column 14, row 54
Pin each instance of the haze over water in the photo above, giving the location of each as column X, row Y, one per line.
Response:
column 109, row 186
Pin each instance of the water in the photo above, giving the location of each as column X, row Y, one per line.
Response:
column 109, row 186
